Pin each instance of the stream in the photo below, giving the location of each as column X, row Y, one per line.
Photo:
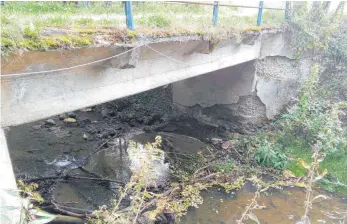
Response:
column 280, row 206
column 50, row 148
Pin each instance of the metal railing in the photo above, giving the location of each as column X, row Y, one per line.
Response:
column 215, row 4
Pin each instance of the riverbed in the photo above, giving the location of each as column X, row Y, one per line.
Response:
column 71, row 158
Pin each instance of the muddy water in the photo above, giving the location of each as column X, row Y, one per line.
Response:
column 286, row 206
column 41, row 150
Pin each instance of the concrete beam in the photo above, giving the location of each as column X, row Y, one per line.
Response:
column 30, row 98
column 10, row 203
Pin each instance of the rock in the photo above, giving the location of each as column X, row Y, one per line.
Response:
column 118, row 127
column 34, row 150
column 36, row 127
column 112, row 113
column 104, row 113
column 84, row 122
column 86, row 109
column 50, row 122
column 70, row 120
column 170, row 128
column 111, row 133
column 62, row 116
column 158, row 174
column 234, row 135
column 164, row 118
column 216, row 141
column 67, row 149
column 85, row 136
column 130, row 116
column 146, row 120
column 60, row 133
column 146, row 217
column 103, row 135
column 150, row 120
column 71, row 114
column 227, row 144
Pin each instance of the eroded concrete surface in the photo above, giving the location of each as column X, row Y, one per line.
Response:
column 244, row 95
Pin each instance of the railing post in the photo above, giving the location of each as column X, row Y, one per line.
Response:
column 286, row 12
column 260, row 13
column 215, row 12
column 129, row 15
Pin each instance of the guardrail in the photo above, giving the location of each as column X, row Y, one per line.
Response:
column 215, row 4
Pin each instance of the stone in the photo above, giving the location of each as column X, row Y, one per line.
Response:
column 62, row 116
column 60, row 133
column 36, row 127
column 71, row 114
column 85, row 136
column 70, row 120
column 88, row 109
column 103, row 135
column 84, row 122
column 34, row 150
column 170, row 128
column 50, row 122
column 112, row 113
column 111, row 133
column 104, row 113
column 216, row 141
column 118, row 127
column 234, row 135
column 227, row 144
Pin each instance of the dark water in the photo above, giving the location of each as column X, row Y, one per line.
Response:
column 47, row 151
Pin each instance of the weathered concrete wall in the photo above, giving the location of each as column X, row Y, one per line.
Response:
column 38, row 96
column 239, row 97
column 279, row 81
column 225, row 98
column 223, row 86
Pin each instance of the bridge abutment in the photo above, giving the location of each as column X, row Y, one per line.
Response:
column 10, row 207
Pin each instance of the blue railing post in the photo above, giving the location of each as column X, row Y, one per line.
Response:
column 215, row 12
column 286, row 12
column 260, row 13
column 129, row 15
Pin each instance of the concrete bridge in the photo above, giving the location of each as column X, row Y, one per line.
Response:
column 31, row 97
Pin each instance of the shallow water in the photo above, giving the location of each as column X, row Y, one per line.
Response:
column 285, row 206
column 47, row 151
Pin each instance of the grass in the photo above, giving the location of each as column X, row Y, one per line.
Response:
column 336, row 165
column 27, row 20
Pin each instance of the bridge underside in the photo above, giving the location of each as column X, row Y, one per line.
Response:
column 32, row 97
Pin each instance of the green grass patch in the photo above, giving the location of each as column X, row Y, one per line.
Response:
column 159, row 21
column 78, row 41
column 31, row 33
column 84, row 22
column 169, row 19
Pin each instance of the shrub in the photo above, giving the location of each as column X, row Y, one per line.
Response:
column 270, row 155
